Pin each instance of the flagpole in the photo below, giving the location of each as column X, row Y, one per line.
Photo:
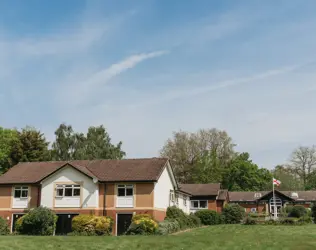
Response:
column 274, row 207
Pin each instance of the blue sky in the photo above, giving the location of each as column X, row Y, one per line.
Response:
column 147, row 68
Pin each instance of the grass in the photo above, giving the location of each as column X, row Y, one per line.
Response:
column 222, row 237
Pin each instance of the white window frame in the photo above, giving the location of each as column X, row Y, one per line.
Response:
column 253, row 210
column 66, row 186
column 199, row 204
column 125, row 187
column 184, row 200
column 21, row 189
column 172, row 196
column 176, row 199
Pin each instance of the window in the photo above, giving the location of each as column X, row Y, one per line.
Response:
column 253, row 210
column 172, row 198
column 21, row 192
column 257, row 195
column 184, row 200
column 177, row 199
column 67, row 190
column 198, row 204
column 125, row 190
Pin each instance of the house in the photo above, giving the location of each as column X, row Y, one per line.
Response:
column 115, row 188
column 263, row 201
column 205, row 196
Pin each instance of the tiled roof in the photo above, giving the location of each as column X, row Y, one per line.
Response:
column 201, row 189
column 147, row 169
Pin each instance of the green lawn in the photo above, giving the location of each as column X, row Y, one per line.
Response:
column 214, row 237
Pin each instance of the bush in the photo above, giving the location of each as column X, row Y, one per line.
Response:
column 38, row 221
column 313, row 212
column 208, row 217
column 306, row 219
column 233, row 213
column 142, row 226
column 196, row 222
column 92, row 225
column 257, row 215
column 168, row 226
column 297, row 211
column 249, row 221
column 185, row 221
column 141, row 216
column 81, row 234
column 4, row 227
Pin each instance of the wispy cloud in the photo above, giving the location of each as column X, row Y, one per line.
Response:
column 92, row 84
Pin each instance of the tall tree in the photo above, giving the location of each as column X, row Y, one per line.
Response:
column 8, row 138
column 303, row 162
column 185, row 150
column 32, row 146
column 289, row 179
column 96, row 144
column 243, row 175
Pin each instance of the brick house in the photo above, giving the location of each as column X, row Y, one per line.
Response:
column 115, row 188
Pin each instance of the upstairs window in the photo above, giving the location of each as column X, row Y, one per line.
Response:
column 257, row 195
column 21, row 192
column 125, row 190
column 67, row 190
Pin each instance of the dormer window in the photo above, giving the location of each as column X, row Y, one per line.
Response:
column 257, row 195
column 294, row 195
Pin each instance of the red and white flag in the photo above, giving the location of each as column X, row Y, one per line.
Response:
column 276, row 182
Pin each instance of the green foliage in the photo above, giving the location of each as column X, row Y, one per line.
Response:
column 92, row 225
column 242, row 174
column 38, row 221
column 307, row 219
column 257, row 215
column 233, row 213
column 4, row 227
column 297, row 211
column 141, row 216
column 168, row 226
column 185, row 221
column 208, row 217
column 313, row 210
column 142, row 226
column 8, row 138
column 249, row 221
column 96, row 144
column 196, row 221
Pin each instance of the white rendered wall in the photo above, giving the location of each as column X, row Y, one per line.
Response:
column 162, row 190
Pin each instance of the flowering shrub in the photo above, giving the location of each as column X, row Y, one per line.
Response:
column 142, row 225
column 92, row 225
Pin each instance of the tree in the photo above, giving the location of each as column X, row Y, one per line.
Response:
column 8, row 138
column 31, row 146
column 185, row 150
column 303, row 162
column 96, row 144
column 243, row 175
column 290, row 180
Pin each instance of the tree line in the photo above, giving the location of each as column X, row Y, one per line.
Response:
column 206, row 156
column 30, row 145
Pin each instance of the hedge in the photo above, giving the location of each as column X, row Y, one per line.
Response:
column 185, row 221
column 297, row 211
column 38, row 221
column 4, row 227
column 168, row 227
column 209, row 217
column 92, row 225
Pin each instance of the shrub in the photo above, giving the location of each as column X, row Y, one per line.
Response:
column 288, row 209
column 4, row 227
column 313, row 212
column 233, row 213
column 141, row 216
column 196, row 222
column 208, row 217
column 38, row 221
column 288, row 221
column 92, row 225
column 184, row 220
column 167, row 227
column 142, row 226
column 306, row 219
column 257, row 215
column 249, row 221
column 297, row 211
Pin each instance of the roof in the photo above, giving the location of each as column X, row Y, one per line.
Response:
column 146, row 169
column 201, row 189
column 251, row 196
column 222, row 194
